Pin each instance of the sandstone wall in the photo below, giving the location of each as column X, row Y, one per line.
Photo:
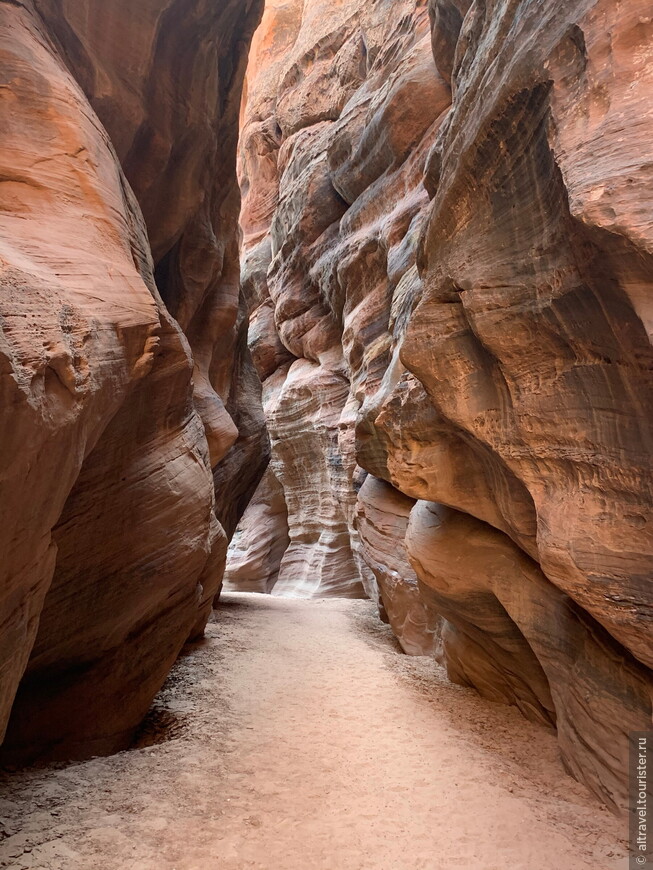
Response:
column 322, row 252
column 447, row 257
column 130, row 433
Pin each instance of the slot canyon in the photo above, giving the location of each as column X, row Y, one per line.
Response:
column 325, row 433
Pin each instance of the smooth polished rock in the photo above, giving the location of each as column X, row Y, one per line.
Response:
column 450, row 213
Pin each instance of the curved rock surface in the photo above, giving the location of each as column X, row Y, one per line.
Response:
column 257, row 548
column 514, row 636
column 447, row 224
column 382, row 521
column 341, row 105
column 121, row 395
column 527, row 336
column 447, row 258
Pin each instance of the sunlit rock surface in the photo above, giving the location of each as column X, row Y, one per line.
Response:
column 121, row 397
column 257, row 548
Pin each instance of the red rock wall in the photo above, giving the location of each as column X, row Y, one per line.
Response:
column 530, row 338
column 130, row 411
column 447, row 253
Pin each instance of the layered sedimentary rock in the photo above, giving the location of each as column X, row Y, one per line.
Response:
column 447, row 261
column 122, row 396
column 530, row 336
column 340, row 105
column 514, row 636
column 383, row 514
column 447, row 225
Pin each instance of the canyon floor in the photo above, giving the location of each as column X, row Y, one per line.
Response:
column 296, row 735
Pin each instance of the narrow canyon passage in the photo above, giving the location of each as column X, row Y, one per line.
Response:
column 347, row 302
column 299, row 737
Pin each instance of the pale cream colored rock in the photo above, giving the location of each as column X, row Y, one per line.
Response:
column 341, row 108
column 303, row 423
column 256, row 550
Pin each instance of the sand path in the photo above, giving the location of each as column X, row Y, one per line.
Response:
column 298, row 737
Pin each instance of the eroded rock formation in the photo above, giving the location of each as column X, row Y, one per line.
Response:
column 257, row 548
column 339, row 103
column 448, row 259
column 383, row 514
column 126, row 386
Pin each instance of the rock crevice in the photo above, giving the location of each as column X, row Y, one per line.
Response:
column 434, row 323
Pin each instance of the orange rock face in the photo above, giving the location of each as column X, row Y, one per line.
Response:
column 447, row 226
column 122, row 398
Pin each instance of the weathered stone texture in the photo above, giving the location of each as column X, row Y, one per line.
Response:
column 118, row 165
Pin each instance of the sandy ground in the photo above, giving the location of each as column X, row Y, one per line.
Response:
column 297, row 736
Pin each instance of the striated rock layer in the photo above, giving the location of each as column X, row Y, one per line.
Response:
column 339, row 104
column 260, row 541
column 126, row 387
column 448, row 259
